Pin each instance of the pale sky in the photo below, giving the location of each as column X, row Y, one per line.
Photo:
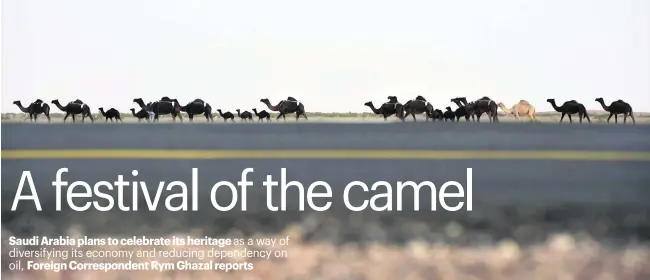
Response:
column 332, row 55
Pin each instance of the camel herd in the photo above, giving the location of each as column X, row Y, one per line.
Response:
column 166, row 106
column 486, row 105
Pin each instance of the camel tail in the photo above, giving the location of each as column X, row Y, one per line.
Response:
column 586, row 115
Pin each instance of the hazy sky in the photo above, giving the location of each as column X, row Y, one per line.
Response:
column 332, row 55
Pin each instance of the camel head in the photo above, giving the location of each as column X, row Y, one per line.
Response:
column 265, row 101
column 369, row 103
column 17, row 102
column 55, row 101
column 448, row 108
column 255, row 110
column 500, row 104
column 133, row 110
column 101, row 109
column 550, row 100
column 219, row 110
column 138, row 100
column 600, row 99
column 392, row 99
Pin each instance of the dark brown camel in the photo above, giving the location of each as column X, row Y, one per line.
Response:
column 449, row 115
column 435, row 115
column 464, row 109
column 111, row 114
column 415, row 106
column 142, row 114
column 287, row 106
column 73, row 108
column 198, row 107
column 226, row 115
column 34, row 109
column 262, row 115
column 488, row 106
column 392, row 107
column 244, row 116
column 617, row 107
column 164, row 106
column 569, row 108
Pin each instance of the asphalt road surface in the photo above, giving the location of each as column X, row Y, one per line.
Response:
column 557, row 193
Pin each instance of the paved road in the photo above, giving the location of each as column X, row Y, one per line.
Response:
column 442, row 136
column 506, row 193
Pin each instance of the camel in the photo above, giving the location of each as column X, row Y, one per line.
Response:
column 488, row 106
column 436, row 115
column 262, row 115
column 520, row 109
column 164, row 106
column 110, row 114
column 226, row 115
column 246, row 115
column 34, row 109
column 449, row 114
column 415, row 106
column 617, row 107
column 142, row 114
column 287, row 106
column 392, row 107
column 569, row 108
column 464, row 109
column 198, row 107
column 73, row 108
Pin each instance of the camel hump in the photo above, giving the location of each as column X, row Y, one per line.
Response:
column 420, row 98
column 198, row 100
column 78, row 101
column 485, row 98
column 523, row 102
column 291, row 99
column 573, row 101
column 165, row 98
column 619, row 100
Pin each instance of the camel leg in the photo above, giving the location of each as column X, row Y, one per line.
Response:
column 304, row 114
column 413, row 115
column 610, row 117
column 279, row 116
column 562, row 118
column 73, row 118
column 615, row 118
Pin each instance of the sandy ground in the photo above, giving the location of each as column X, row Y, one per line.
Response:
column 561, row 257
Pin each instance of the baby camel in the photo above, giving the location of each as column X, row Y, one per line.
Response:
column 520, row 109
